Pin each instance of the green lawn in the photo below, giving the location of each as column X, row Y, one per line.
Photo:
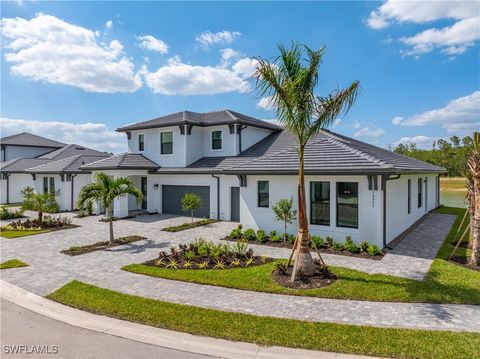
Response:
column 11, row 205
column 389, row 342
column 445, row 282
column 13, row 263
column 16, row 234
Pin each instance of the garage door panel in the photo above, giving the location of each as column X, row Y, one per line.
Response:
column 172, row 199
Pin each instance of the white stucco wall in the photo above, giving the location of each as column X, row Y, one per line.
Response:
column 252, row 135
column 17, row 182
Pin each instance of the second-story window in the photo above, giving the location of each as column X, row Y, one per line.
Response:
column 216, row 140
column 166, row 143
column 141, row 142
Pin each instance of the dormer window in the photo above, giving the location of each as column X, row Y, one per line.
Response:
column 216, row 140
column 166, row 146
column 141, row 142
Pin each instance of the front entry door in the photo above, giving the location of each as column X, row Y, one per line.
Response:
column 235, row 204
column 144, row 192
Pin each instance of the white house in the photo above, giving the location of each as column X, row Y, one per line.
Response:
column 54, row 168
column 240, row 165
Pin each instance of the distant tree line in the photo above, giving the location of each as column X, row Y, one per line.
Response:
column 449, row 154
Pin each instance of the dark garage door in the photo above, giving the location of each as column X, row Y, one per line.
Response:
column 172, row 200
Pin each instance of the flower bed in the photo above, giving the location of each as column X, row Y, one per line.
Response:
column 202, row 254
column 77, row 250
column 320, row 278
column 327, row 245
column 185, row 226
column 30, row 226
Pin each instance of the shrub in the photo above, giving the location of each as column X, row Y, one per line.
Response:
column 240, row 248
column 337, row 246
column 349, row 240
column 329, row 241
column 5, row 213
column 237, row 232
column 282, row 268
column 275, row 238
column 291, row 238
column 317, row 242
column 373, row 250
column 273, row 233
column 261, row 236
column 283, row 210
column 249, row 234
column 364, row 246
column 351, row 247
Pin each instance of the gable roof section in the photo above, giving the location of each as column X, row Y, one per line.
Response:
column 72, row 150
column 122, row 161
column 19, row 165
column 31, row 140
column 201, row 119
column 65, row 165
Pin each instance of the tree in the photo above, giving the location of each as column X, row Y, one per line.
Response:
column 455, row 141
column 283, row 210
column 191, row 202
column 37, row 202
column 290, row 80
column 105, row 190
column 474, row 198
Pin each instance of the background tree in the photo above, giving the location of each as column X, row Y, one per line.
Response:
column 290, row 80
column 283, row 210
column 105, row 190
column 191, row 202
column 474, row 198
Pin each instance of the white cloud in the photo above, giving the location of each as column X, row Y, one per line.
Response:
column 336, row 122
column 421, row 141
column 228, row 55
column 148, row 42
column 208, row 38
column 356, row 124
column 266, row 103
column 109, row 24
column 93, row 135
column 49, row 49
column 452, row 40
column 178, row 78
column 461, row 114
column 369, row 132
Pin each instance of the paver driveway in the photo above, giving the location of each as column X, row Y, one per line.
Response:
column 49, row 270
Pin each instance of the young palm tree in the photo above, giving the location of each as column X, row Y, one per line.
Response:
column 290, row 80
column 105, row 190
column 474, row 198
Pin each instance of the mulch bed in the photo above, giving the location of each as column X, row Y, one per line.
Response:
column 77, row 250
column 324, row 249
column 184, row 226
column 318, row 280
column 460, row 260
column 227, row 262
column 114, row 219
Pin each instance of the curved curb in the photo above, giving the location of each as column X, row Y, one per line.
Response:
column 155, row 336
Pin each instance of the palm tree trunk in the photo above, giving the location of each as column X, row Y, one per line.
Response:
column 304, row 261
column 40, row 216
column 475, row 223
column 110, row 220
column 191, row 211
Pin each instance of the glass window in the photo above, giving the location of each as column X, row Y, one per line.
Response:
column 216, row 140
column 166, row 143
column 409, row 208
column 45, row 184
column 419, row 193
column 320, row 203
column 141, row 142
column 347, row 204
column 52, row 184
column 263, row 194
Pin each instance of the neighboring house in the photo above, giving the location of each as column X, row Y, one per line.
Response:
column 56, row 169
column 26, row 145
column 240, row 165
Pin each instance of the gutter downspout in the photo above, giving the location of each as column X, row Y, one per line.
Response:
column 72, row 188
column 240, row 128
column 386, row 178
column 7, row 175
column 218, row 195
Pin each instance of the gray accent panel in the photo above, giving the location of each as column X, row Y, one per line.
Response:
column 235, row 204
column 172, row 195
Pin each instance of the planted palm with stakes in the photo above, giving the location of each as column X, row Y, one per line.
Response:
column 290, row 80
column 105, row 190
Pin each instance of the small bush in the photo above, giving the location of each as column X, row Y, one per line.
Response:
column 282, row 268
column 317, row 242
column 373, row 250
column 249, row 235
column 275, row 238
column 273, row 233
column 349, row 240
column 261, row 236
column 337, row 246
column 329, row 241
column 352, row 247
column 364, row 246
column 291, row 238
column 237, row 232
column 5, row 213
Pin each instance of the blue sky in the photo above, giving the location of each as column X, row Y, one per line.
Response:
column 76, row 71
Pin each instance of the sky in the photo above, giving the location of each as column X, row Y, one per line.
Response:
column 76, row 71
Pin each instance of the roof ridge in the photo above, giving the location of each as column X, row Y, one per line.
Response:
column 229, row 113
column 123, row 156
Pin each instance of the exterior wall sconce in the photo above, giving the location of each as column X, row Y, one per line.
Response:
column 155, row 186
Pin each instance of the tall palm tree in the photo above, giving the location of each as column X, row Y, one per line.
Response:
column 105, row 190
column 474, row 198
column 290, row 80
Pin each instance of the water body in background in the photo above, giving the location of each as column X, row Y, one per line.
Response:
column 452, row 198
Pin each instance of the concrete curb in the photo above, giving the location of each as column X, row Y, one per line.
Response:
column 155, row 336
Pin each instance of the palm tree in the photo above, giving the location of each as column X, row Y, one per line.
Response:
column 40, row 202
column 474, row 198
column 290, row 80
column 105, row 190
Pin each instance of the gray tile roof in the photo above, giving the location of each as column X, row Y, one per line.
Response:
column 72, row 150
column 200, row 119
column 65, row 165
column 122, row 161
column 28, row 139
column 19, row 165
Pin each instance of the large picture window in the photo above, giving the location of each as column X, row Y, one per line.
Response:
column 420, row 193
column 347, row 204
column 320, row 203
column 216, row 140
column 166, row 143
column 263, row 194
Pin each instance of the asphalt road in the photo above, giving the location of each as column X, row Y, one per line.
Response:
column 33, row 332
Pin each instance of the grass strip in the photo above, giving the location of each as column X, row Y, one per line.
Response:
column 185, row 226
column 17, row 234
column 13, row 263
column 390, row 342
column 77, row 250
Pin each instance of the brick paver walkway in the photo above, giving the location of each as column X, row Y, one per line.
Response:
column 49, row 270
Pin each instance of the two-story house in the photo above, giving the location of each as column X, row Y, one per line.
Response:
column 240, row 166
